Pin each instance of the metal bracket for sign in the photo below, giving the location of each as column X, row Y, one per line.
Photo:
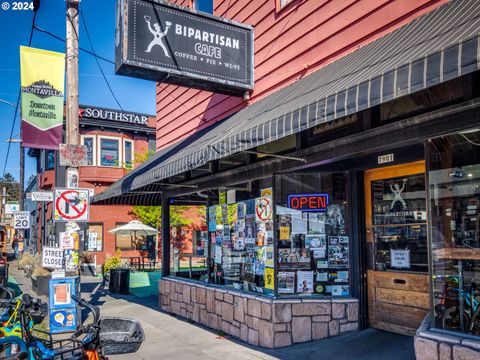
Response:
column 275, row 155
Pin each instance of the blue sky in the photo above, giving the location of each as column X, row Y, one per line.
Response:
column 133, row 94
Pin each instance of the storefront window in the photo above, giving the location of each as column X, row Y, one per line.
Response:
column 312, row 233
column 240, row 230
column 454, row 199
column 128, row 154
column 188, row 241
column 109, row 152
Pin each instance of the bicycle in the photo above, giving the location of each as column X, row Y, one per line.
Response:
column 469, row 321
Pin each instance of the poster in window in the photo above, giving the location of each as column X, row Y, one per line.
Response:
column 218, row 254
column 250, row 231
column 338, row 255
column 92, row 241
column 400, row 259
column 99, row 244
column 261, row 234
column 232, row 214
column 241, row 211
column 269, row 278
column 224, row 214
column 319, row 253
column 269, row 256
column 286, row 282
column 335, row 219
column 299, row 224
column 218, row 215
column 316, row 223
column 212, row 223
column 315, row 241
column 304, row 281
column 263, row 209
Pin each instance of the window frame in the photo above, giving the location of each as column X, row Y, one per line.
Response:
column 99, row 153
column 94, row 145
column 191, row 5
column 279, row 7
column 132, row 160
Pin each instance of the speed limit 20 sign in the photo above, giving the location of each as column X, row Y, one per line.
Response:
column 21, row 220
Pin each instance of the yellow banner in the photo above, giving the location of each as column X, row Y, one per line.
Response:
column 42, row 85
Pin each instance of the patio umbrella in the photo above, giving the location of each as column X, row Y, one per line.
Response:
column 134, row 228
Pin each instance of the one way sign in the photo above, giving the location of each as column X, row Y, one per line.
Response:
column 71, row 205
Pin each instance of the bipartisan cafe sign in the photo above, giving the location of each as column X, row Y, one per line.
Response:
column 176, row 45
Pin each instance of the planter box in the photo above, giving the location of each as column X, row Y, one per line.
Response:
column 88, row 269
column 40, row 284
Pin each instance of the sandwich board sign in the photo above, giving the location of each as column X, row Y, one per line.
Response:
column 21, row 220
column 71, row 205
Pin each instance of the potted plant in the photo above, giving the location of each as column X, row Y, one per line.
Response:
column 117, row 273
column 40, row 278
column 87, row 264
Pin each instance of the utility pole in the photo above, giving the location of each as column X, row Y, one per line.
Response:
column 72, row 72
column 72, row 135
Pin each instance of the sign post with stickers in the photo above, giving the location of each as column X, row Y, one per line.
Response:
column 21, row 220
column 71, row 205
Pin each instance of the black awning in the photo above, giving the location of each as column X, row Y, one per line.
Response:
column 432, row 49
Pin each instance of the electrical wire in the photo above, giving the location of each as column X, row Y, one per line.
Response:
column 470, row 141
column 82, row 16
column 80, row 48
column 18, row 100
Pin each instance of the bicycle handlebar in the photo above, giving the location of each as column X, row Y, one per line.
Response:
column 94, row 309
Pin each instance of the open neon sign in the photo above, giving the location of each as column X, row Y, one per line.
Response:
column 308, row 202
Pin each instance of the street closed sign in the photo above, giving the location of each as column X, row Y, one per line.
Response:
column 71, row 204
column 21, row 220
column 52, row 258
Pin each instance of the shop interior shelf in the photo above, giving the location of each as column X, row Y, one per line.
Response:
column 457, row 253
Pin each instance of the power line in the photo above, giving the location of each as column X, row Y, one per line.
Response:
column 81, row 49
column 18, row 100
column 8, row 103
column 82, row 16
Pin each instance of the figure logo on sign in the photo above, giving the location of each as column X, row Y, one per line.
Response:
column 157, row 35
column 397, row 195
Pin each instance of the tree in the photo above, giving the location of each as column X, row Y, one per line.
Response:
column 12, row 186
column 178, row 215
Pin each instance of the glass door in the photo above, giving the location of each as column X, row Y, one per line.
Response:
column 396, row 225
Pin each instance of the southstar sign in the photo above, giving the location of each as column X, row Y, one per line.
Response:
column 112, row 115
column 176, row 45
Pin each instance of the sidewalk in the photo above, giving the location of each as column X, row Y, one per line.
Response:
column 168, row 337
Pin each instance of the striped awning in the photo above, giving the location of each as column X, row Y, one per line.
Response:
column 437, row 47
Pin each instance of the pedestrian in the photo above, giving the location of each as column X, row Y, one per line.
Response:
column 15, row 246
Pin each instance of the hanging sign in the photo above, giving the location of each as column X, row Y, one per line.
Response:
column 175, row 45
column 42, row 81
column 71, row 204
column 263, row 209
column 11, row 208
column 21, row 220
column 400, row 259
column 308, row 202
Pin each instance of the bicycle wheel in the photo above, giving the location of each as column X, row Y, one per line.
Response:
column 451, row 320
column 474, row 326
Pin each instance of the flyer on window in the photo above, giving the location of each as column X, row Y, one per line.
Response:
column 304, row 281
column 269, row 256
column 286, row 282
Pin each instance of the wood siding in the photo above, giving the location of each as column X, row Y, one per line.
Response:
column 289, row 44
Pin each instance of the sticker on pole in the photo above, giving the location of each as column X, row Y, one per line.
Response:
column 21, row 220
column 71, row 204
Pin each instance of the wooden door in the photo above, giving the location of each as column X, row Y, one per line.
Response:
column 396, row 226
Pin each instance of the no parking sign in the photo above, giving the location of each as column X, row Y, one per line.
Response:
column 71, row 205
